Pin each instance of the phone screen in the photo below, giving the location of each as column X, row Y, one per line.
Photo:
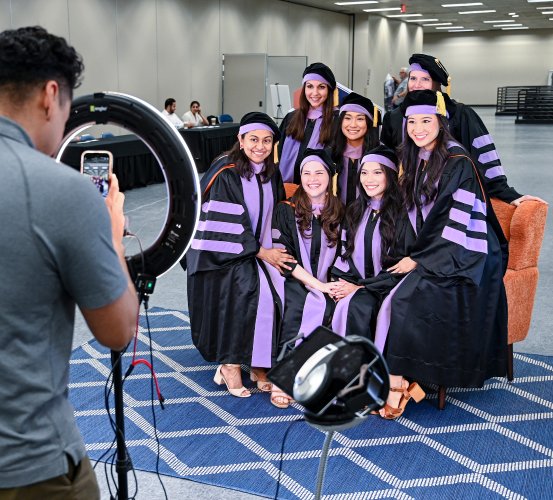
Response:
column 98, row 165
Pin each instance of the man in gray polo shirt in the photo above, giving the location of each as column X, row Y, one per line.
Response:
column 60, row 245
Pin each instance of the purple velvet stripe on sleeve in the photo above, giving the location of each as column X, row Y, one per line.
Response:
column 494, row 172
column 217, row 246
column 223, row 207
column 483, row 140
column 479, row 206
column 464, row 196
column 340, row 316
column 478, row 226
column 220, row 227
column 275, row 233
column 460, row 238
column 488, row 157
column 459, row 216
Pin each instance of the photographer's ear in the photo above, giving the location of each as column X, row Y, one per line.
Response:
column 50, row 98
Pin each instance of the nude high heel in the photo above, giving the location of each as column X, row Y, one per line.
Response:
column 219, row 379
column 409, row 392
column 263, row 385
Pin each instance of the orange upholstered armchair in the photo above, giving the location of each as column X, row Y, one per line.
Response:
column 523, row 227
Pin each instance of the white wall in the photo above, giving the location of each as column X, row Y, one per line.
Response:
column 479, row 63
column 381, row 46
column 156, row 49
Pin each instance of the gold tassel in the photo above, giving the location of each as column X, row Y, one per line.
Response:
column 275, row 153
column 336, row 98
column 448, row 88
column 375, row 116
column 335, row 184
column 440, row 104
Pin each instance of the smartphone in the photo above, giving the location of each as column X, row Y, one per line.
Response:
column 98, row 165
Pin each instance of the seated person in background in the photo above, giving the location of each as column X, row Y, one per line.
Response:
column 445, row 323
column 427, row 72
column 373, row 239
column 169, row 112
column 308, row 228
column 194, row 117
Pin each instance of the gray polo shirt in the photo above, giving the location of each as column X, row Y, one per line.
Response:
column 55, row 252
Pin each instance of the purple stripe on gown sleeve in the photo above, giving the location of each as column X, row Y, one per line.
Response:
column 494, row 172
column 217, row 246
column 464, row 196
column 223, row 207
column 479, row 206
column 220, row 227
column 459, row 216
column 275, row 233
column 488, row 157
column 478, row 226
column 482, row 141
column 460, row 238
column 383, row 318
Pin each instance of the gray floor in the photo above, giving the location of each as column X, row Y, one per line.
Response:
column 526, row 152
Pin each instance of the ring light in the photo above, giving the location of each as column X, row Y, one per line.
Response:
column 174, row 158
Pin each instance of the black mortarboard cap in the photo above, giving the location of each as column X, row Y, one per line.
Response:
column 321, row 155
column 383, row 155
column 360, row 104
column 427, row 102
column 433, row 66
column 322, row 70
column 256, row 121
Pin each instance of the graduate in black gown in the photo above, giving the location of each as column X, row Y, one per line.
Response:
column 308, row 228
column 356, row 132
column 235, row 289
column 309, row 126
column 428, row 73
column 375, row 236
column 446, row 321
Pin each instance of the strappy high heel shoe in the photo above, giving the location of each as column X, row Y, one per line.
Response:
column 280, row 399
column 262, row 384
column 409, row 392
column 219, row 379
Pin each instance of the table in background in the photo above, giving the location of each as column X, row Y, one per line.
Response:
column 136, row 166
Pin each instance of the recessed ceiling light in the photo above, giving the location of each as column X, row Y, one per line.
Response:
column 450, row 27
column 404, row 15
column 382, row 9
column 476, row 11
column 438, row 24
column 503, row 26
column 521, row 28
column 420, row 20
column 355, row 3
column 503, row 21
column 461, row 4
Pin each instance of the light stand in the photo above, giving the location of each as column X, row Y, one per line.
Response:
column 279, row 114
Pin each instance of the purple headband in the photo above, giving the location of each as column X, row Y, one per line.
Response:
column 316, row 158
column 423, row 109
column 417, row 67
column 254, row 126
column 356, row 108
column 314, row 76
column 383, row 160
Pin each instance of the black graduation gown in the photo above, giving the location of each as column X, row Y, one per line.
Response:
column 356, row 313
column 225, row 291
column 447, row 319
column 468, row 129
column 304, row 308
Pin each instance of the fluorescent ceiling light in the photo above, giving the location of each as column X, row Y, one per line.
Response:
column 382, row 9
column 405, row 15
column 438, row 24
column 420, row 20
column 503, row 21
column 460, row 31
column 461, row 4
column 476, row 11
column 355, row 3
column 503, row 26
column 539, row 1
column 509, row 28
column 450, row 27
column 542, row 8
column 548, row 12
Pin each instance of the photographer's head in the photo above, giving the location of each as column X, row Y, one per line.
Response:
column 38, row 72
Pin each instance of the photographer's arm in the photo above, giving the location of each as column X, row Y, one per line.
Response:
column 114, row 324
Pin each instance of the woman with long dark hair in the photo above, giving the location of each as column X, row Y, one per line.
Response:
column 356, row 132
column 309, row 126
column 308, row 228
column 373, row 239
column 446, row 322
column 235, row 289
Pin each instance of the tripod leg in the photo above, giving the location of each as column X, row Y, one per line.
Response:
column 123, row 463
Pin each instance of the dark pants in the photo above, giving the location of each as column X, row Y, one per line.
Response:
column 78, row 484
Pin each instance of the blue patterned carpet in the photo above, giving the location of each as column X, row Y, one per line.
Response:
column 494, row 442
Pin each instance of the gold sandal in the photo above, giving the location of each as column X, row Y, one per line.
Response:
column 409, row 392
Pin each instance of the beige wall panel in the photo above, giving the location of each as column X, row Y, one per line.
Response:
column 51, row 14
column 478, row 64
